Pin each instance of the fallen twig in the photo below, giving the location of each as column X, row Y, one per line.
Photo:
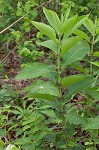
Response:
column 11, row 25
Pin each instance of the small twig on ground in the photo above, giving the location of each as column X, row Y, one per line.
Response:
column 3, row 60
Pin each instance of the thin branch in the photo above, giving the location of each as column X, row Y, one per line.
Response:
column 43, row 4
column 46, row 3
column 11, row 25
column 3, row 60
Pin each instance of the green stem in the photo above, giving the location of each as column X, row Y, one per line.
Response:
column 59, row 68
column 91, row 60
column 91, row 56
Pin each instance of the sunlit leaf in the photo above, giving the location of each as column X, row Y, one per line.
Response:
column 33, row 70
column 93, row 92
column 53, row 19
column 71, row 28
column 68, row 43
column 68, row 25
column 50, row 44
column 74, row 118
column 79, row 86
column 66, row 15
column 46, row 30
column 81, row 69
column 77, row 52
column 72, row 79
column 95, row 63
column 90, row 26
column 80, row 20
column 93, row 124
column 82, row 34
column 41, row 87
column 49, row 112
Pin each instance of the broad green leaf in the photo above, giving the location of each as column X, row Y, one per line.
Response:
column 65, row 15
column 53, row 19
column 50, row 44
column 83, row 70
column 90, row 26
column 77, row 52
column 49, row 112
column 96, row 54
column 76, row 24
column 54, row 104
column 79, row 86
column 93, row 124
column 23, row 140
column 46, row 30
column 69, row 43
column 79, row 21
column 52, row 75
column 74, row 118
column 41, row 87
column 72, row 79
column 95, row 63
column 68, row 25
column 94, row 93
column 33, row 70
column 41, row 96
column 82, row 34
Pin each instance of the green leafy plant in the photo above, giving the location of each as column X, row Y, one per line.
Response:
column 81, row 7
column 53, row 120
column 14, row 17
column 29, row 51
column 93, row 28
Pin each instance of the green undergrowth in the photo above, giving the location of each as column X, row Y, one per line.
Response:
column 56, row 111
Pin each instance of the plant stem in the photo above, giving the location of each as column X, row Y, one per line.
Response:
column 59, row 68
column 91, row 56
column 59, row 85
column 91, row 60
